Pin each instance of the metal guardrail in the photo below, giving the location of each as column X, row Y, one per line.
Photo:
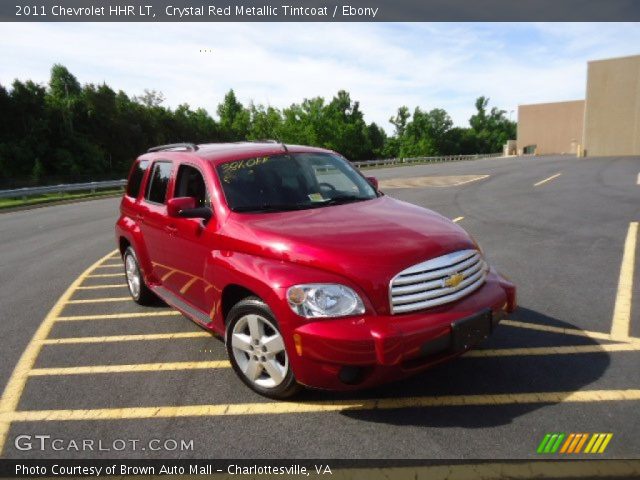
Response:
column 404, row 161
column 95, row 186
column 63, row 188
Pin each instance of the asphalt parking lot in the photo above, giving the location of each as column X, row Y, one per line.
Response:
column 88, row 363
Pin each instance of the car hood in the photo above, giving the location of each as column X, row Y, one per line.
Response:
column 368, row 242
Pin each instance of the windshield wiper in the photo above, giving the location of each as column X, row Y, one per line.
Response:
column 270, row 207
column 340, row 199
column 283, row 207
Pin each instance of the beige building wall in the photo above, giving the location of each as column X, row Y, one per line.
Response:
column 554, row 128
column 612, row 121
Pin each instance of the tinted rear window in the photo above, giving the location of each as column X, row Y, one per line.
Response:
column 158, row 182
column 135, row 178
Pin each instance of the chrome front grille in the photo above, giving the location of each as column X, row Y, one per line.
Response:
column 437, row 281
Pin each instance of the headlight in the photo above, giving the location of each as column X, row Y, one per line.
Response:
column 316, row 300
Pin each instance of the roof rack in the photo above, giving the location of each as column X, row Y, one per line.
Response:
column 260, row 140
column 174, row 146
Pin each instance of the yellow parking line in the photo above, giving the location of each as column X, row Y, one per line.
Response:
column 98, row 287
column 119, row 265
column 562, row 350
column 274, row 408
column 568, row 331
column 541, row 182
column 622, row 309
column 109, row 316
column 15, row 386
column 140, row 367
column 100, row 300
column 217, row 364
column 106, row 275
column 457, row 219
column 124, row 338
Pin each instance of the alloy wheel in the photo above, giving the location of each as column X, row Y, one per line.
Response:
column 133, row 275
column 258, row 349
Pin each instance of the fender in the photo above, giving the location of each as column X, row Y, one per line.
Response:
column 127, row 228
column 268, row 278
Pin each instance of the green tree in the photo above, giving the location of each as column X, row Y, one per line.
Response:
column 234, row 118
column 377, row 140
column 491, row 129
column 347, row 128
column 150, row 98
column 29, row 142
column 399, row 121
column 304, row 123
column 62, row 83
column 65, row 129
column 266, row 123
column 425, row 134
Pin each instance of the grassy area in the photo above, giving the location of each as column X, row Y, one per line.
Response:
column 54, row 198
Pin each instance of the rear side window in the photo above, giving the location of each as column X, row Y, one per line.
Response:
column 189, row 183
column 135, row 178
column 158, row 182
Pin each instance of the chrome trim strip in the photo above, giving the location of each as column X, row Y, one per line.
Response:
column 440, row 262
column 405, row 292
column 440, row 292
column 421, row 286
column 442, row 300
column 445, row 270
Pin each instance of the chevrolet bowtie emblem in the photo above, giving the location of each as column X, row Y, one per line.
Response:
column 453, row 280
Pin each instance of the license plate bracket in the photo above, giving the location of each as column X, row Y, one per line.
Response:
column 469, row 332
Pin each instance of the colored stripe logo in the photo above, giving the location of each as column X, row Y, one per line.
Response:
column 574, row 443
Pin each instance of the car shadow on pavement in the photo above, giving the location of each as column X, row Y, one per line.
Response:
column 487, row 375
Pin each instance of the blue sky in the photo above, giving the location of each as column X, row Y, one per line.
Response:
column 383, row 66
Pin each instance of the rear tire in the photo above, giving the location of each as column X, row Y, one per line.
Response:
column 256, row 350
column 140, row 293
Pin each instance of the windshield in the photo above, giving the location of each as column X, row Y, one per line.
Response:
column 291, row 182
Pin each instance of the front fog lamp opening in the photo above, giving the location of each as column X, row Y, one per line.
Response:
column 324, row 300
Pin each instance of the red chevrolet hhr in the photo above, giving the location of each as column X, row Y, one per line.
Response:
column 310, row 274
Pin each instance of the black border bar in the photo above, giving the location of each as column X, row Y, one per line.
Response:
column 320, row 11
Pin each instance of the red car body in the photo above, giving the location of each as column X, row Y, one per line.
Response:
column 362, row 245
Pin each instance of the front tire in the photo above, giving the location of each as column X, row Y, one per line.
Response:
column 256, row 350
column 140, row 293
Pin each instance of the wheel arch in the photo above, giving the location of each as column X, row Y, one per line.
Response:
column 232, row 294
column 129, row 235
column 123, row 244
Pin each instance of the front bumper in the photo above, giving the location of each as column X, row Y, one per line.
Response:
column 358, row 352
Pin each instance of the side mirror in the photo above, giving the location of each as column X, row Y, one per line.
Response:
column 185, row 207
column 373, row 181
column 205, row 213
column 175, row 206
